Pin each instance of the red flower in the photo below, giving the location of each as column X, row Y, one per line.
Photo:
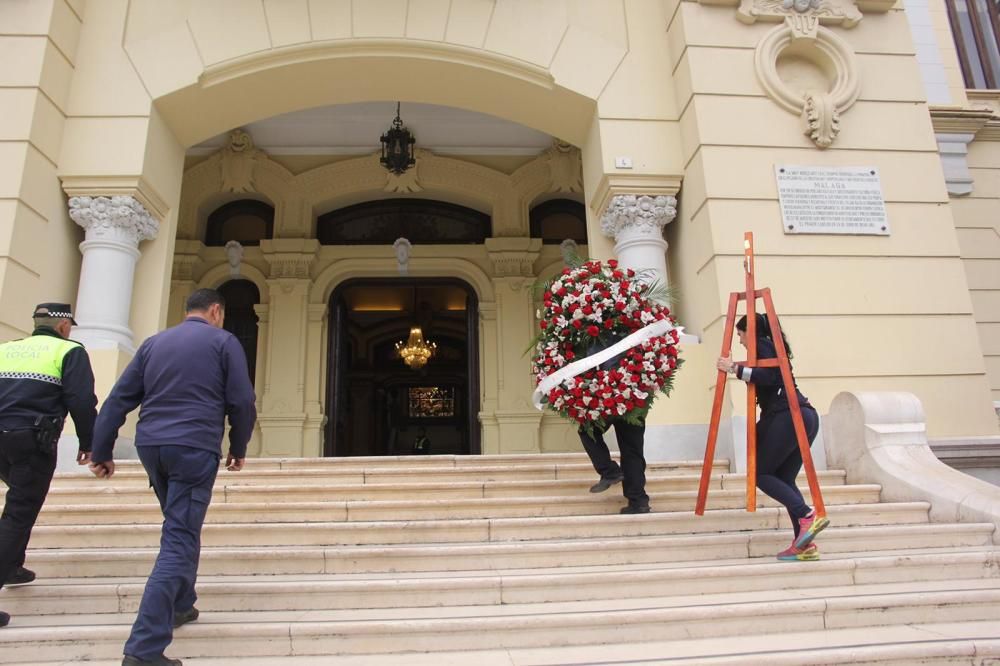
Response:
column 587, row 310
column 609, row 324
column 577, row 324
column 569, row 355
column 543, row 324
column 592, row 330
column 613, row 263
column 620, row 306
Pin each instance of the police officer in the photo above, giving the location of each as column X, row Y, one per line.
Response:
column 42, row 377
column 188, row 379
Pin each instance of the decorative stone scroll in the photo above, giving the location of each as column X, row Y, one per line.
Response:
column 636, row 223
column 802, row 64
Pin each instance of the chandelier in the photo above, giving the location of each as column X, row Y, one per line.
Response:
column 397, row 147
column 415, row 352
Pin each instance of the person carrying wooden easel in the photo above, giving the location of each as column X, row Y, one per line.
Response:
column 778, row 456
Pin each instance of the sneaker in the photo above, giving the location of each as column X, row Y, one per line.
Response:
column 20, row 576
column 162, row 660
column 183, row 617
column 635, row 509
column 604, row 484
column 792, row 554
column 809, row 527
column 4, row 619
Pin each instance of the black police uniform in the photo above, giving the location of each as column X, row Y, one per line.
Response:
column 42, row 377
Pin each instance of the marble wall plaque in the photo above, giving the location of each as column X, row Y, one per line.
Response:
column 831, row 200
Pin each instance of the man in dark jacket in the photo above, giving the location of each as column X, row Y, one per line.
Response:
column 42, row 377
column 188, row 379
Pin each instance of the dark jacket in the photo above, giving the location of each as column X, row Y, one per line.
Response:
column 26, row 396
column 771, row 394
column 188, row 378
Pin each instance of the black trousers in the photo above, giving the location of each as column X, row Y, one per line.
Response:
column 779, row 460
column 28, row 473
column 630, row 443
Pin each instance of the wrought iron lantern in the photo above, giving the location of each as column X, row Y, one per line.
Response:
column 397, row 147
column 415, row 352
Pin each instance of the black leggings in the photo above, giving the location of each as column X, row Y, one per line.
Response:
column 779, row 460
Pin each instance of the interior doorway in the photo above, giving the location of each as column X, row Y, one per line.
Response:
column 379, row 405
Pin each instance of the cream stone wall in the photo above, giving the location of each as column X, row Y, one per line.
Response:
column 670, row 85
column 870, row 312
column 38, row 255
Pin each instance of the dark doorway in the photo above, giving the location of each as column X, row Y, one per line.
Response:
column 241, row 318
column 378, row 405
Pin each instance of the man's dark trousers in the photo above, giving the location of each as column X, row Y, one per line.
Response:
column 630, row 443
column 182, row 478
column 27, row 471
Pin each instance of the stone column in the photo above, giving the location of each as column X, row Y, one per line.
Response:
column 636, row 223
column 517, row 420
column 115, row 226
column 282, row 416
column 316, row 374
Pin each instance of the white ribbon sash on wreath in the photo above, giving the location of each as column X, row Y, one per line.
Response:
column 657, row 328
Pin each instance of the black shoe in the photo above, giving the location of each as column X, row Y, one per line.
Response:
column 162, row 660
column 604, row 484
column 4, row 619
column 183, row 617
column 21, row 576
column 635, row 509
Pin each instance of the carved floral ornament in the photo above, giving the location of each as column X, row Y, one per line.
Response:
column 113, row 218
column 637, row 213
column 802, row 64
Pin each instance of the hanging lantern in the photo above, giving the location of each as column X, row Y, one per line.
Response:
column 415, row 352
column 397, row 147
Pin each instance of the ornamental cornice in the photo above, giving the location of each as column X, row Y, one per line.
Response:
column 513, row 257
column 612, row 185
column 120, row 218
column 289, row 257
column 642, row 213
column 108, row 186
column 958, row 120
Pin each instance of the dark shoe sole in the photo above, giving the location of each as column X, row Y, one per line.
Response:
column 604, row 484
column 4, row 619
column 129, row 660
column 184, row 617
column 634, row 509
column 20, row 577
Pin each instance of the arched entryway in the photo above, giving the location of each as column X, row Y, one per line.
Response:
column 377, row 405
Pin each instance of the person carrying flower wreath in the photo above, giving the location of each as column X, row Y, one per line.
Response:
column 778, row 457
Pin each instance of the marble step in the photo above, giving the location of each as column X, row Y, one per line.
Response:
column 506, row 626
column 486, row 460
column 584, row 503
column 470, row 530
column 966, row 643
column 110, row 559
column 345, row 592
column 355, row 475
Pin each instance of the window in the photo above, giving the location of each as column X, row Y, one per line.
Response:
column 556, row 220
column 247, row 221
column 975, row 25
column 419, row 220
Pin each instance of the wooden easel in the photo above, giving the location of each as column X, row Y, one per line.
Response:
column 750, row 296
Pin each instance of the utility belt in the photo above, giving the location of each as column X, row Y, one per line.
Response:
column 46, row 431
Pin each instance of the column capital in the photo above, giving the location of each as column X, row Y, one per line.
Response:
column 117, row 218
column 638, row 213
column 514, row 256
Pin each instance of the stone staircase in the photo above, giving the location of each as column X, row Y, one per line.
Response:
column 507, row 560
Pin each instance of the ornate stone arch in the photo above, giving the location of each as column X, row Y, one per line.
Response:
column 221, row 273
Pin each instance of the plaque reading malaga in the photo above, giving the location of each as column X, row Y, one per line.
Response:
column 831, row 200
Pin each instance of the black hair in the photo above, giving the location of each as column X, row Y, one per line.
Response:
column 203, row 299
column 764, row 330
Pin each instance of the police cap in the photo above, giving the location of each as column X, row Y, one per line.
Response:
column 56, row 310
